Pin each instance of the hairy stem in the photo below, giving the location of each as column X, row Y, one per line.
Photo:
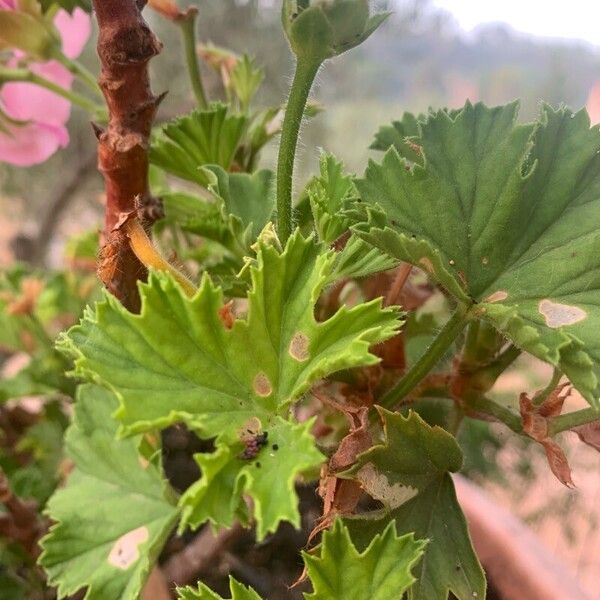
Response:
column 428, row 360
column 125, row 46
column 305, row 74
column 187, row 24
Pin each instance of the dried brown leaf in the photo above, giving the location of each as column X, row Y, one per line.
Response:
column 589, row 434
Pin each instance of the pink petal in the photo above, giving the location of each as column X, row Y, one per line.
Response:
column 32, row 144
column 593, row 104
column 27, row 101
column 75, row 30
column 8, row 5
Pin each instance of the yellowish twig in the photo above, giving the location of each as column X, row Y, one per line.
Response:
column 151, row 258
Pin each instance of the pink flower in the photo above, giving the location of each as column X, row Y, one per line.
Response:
column 593, row 104
column 44, row 112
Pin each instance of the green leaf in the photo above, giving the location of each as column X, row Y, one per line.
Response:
column 188, row 143
column 249, row 198
column 268, row 479
column 242, row 206
column 505, row 216
column 203, row 592
column 330, row 194
column 113, row 516
column 178, row 361
column 380, row 572
column 410, row 475
column 399, row 135
column 197, row 215
column 359, row 259
column 201, row 372
column 246, row 78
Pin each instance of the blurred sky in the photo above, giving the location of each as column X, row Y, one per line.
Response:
column 578, row 19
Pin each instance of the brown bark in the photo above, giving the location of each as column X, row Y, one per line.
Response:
column 125, row 46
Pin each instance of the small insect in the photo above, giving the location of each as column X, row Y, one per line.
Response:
column 253, row 439
column 253, row 444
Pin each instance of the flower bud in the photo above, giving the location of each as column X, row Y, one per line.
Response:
column 321, row 29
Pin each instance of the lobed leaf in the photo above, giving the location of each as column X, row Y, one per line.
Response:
column 268, row 479
column 504, row 216
column 113, row 516
column 203, row 137
column 178, row 360
column 410, row 475
column 338, row 570
column 380, row 572
column 400, row 135
column 203, row 592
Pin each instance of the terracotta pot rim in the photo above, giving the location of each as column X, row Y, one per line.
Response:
column 514, row 558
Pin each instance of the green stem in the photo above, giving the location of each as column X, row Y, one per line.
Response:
column 80, row 71
column 471, row 350
column 96, row 110
column 540, row 398
column 572, row 419
column 455, row 420
column 429, row 359
column 501, row 413
column 188, row 31
column 305, row 74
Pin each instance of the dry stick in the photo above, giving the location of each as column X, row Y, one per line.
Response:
column 125, row 46
column 400, row 278
column 202, row 552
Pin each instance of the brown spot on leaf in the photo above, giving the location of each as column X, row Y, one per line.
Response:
column 262, row 385
column 226, row 315
column 558, row 315
column 498, row 296
column 299, row 347
column 125, row 551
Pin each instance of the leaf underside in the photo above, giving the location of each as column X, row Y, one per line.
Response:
column 504, row 216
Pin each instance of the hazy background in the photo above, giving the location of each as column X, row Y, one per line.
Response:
column 430, row 53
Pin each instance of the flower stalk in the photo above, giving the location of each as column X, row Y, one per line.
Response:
column 304, row 77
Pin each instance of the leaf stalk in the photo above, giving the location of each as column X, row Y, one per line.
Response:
column 187, row 25
column 451, row 330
